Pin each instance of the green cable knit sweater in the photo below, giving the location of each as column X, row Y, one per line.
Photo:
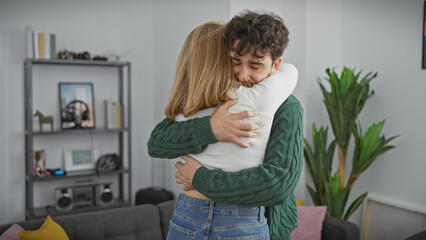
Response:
column 270, row 184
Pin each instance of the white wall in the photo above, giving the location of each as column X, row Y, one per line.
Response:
column 383, row 36
column 79, row 25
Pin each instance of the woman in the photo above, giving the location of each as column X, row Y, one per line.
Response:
column 204, row 79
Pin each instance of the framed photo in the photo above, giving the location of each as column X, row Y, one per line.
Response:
column 424, row 37
column 79, row 159
column 76, row 105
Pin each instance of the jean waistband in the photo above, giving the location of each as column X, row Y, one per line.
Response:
column 206, row 205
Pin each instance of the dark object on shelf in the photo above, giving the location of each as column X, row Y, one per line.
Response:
column 70, row 113
column 108, row 162
column 153, row 195
column 65, row 54
column 100, row 58
column 44, row 119
column 83, row 55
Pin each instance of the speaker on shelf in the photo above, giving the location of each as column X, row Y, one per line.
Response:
column 84, row 196
column 63, row 198
column 106, row 196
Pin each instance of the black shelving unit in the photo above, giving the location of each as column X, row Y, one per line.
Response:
column 30, row 134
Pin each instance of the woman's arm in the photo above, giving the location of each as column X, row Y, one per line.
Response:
column 270, row 183
column 171, row 139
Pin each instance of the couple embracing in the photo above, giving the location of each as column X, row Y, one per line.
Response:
column 233, row 120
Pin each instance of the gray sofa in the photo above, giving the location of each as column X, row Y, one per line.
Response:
column 139, row 222
column 151, row 223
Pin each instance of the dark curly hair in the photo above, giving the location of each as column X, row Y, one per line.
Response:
column 258, row 33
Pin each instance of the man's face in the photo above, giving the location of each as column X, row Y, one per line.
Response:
column 248, row 68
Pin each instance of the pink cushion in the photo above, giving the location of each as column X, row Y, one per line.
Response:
column 309, row 223
column 12, row 233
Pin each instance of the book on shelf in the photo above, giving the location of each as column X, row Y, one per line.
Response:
column 113, row 111
column 29, row 41
column 35, row 45
column 39, row 44
column 53, row 46
column 46, row 45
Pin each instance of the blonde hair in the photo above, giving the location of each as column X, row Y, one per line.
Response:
column 203, row 76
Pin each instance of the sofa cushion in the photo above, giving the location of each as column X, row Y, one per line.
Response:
column 337, row 229
column 49, row 230
column 139, row 222
column 309, row 223
column 12, row 233
column 166, row 212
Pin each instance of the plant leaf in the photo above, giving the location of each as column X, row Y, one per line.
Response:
column 355, row 204
column 314, row 196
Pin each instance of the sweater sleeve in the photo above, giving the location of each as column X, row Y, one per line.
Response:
column 171, row 139
column 272, row 182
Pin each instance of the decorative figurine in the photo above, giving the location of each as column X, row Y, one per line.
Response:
column 44, row 119
column 40, row 170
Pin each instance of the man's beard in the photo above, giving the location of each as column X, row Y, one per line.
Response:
column 244, row 84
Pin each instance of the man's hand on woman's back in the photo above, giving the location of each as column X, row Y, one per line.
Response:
column 229, row 127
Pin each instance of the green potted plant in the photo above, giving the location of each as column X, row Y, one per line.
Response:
column 344, row 102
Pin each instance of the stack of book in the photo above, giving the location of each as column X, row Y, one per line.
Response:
column 40, row 45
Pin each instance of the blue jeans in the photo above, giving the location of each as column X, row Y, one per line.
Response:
column 198, row 219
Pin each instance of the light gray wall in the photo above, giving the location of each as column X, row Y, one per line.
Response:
column 383, row 36
column 79, row 25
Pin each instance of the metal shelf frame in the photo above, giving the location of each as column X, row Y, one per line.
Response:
column 31, row 213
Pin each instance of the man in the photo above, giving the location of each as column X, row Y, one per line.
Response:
column 256, row 43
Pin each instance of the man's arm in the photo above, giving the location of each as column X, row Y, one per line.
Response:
column 171, row 139
column 270, row 183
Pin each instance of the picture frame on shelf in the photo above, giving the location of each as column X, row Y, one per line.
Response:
column 80, row 159
column 76, row 103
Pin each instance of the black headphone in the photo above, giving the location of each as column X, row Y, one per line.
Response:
column 69, row 111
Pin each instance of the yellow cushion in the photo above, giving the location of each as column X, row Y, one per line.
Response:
column 49, row 230
column 299, row 202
